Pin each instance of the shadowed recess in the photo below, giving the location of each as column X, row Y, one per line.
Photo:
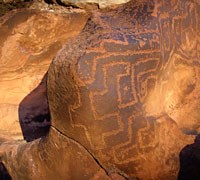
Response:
column 34, row 113
column 6, row 6
column 190, row 161
column 4, row 175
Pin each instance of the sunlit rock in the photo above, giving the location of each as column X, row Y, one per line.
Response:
column 123, row 97
column 29, row 39
column 93, row 3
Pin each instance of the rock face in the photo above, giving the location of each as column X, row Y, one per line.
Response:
column 8, row 5
column 91, row 3
column 123, row 96
column 29, row 40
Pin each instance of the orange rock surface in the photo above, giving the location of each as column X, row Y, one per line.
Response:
column 29, row 39
column 123, row 96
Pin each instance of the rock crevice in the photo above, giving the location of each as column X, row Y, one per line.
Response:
column 108, row 172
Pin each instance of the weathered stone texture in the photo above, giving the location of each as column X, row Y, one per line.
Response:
column 124, row 97
column 93, row 3
column 29, row 39
column 129, row 87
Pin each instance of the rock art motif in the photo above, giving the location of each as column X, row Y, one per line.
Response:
column 124, row 97
column 29, row 40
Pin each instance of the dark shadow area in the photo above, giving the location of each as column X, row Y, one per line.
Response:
column 60, row 3
column 48, row 1
column 34, row 115
column 13, row 4
column 4, row 175
column 190, row 161
column 63, row 4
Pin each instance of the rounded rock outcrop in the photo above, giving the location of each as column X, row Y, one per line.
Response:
column 117, row 94
column 29, row 40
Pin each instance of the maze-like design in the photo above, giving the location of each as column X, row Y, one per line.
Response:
column 115, row 77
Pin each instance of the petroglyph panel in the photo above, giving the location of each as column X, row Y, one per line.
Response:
column 125, row 85
column 127, row 89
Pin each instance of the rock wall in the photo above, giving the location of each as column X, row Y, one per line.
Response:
column 91, row 3
column 124, row 97
column 29, row 39
column 130, row 93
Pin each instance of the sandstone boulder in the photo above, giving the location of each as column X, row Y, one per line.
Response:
column 124, row 98
column 29, row 39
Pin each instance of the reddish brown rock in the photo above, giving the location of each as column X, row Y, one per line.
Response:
column 129, row 86
column 29, row 40
column 118, row 94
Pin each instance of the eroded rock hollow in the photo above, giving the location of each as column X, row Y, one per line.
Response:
column 123, row 95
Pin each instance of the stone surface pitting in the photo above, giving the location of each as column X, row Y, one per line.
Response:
column 123, row 95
